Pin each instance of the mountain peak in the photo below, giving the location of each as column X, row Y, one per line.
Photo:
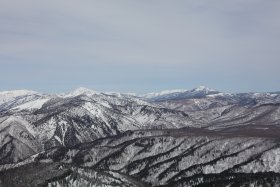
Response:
column 18, row 92
column 6, row 96
column 204, row 88
column 162, row 93
column 82, row 91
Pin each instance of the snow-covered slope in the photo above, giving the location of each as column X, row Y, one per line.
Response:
column 198, row 92
column 10, row 99
column 81, row 91
column 85, row 115
column 138, row 141
column 36, row 104
column 165, row 158
column 7, row 96
column 16, row 140
column 163, row 93
column 227, row 110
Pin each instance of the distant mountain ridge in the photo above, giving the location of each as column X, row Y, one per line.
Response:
column 200, row 91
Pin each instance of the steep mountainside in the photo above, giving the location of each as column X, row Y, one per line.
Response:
column 81, row 116
column 198, row 137
column 158, row 158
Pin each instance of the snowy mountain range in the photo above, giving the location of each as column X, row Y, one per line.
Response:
column 198, row 92
column 172, row 138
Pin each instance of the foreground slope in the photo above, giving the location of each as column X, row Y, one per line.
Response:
column 183, row 157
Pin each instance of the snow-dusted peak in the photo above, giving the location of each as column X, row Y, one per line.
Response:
column 7, row 96
column 201, row 91
column 82, row 91
column 220, row 94
column 266, row 94
column 119, row 94
column 164, row 92
column 15, row 93
column 204, row 89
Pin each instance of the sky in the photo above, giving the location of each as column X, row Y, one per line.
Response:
column 140, row 45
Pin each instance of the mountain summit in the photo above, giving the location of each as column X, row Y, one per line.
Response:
column 82, row 91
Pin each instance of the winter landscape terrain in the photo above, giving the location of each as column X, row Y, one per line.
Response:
column 197, row 137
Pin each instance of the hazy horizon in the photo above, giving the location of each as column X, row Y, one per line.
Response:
column 132, row 93
column 140, row 46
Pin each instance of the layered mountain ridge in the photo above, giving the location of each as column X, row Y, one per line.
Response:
column 128, row 139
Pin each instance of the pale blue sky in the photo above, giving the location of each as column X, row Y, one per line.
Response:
column 140, row 45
